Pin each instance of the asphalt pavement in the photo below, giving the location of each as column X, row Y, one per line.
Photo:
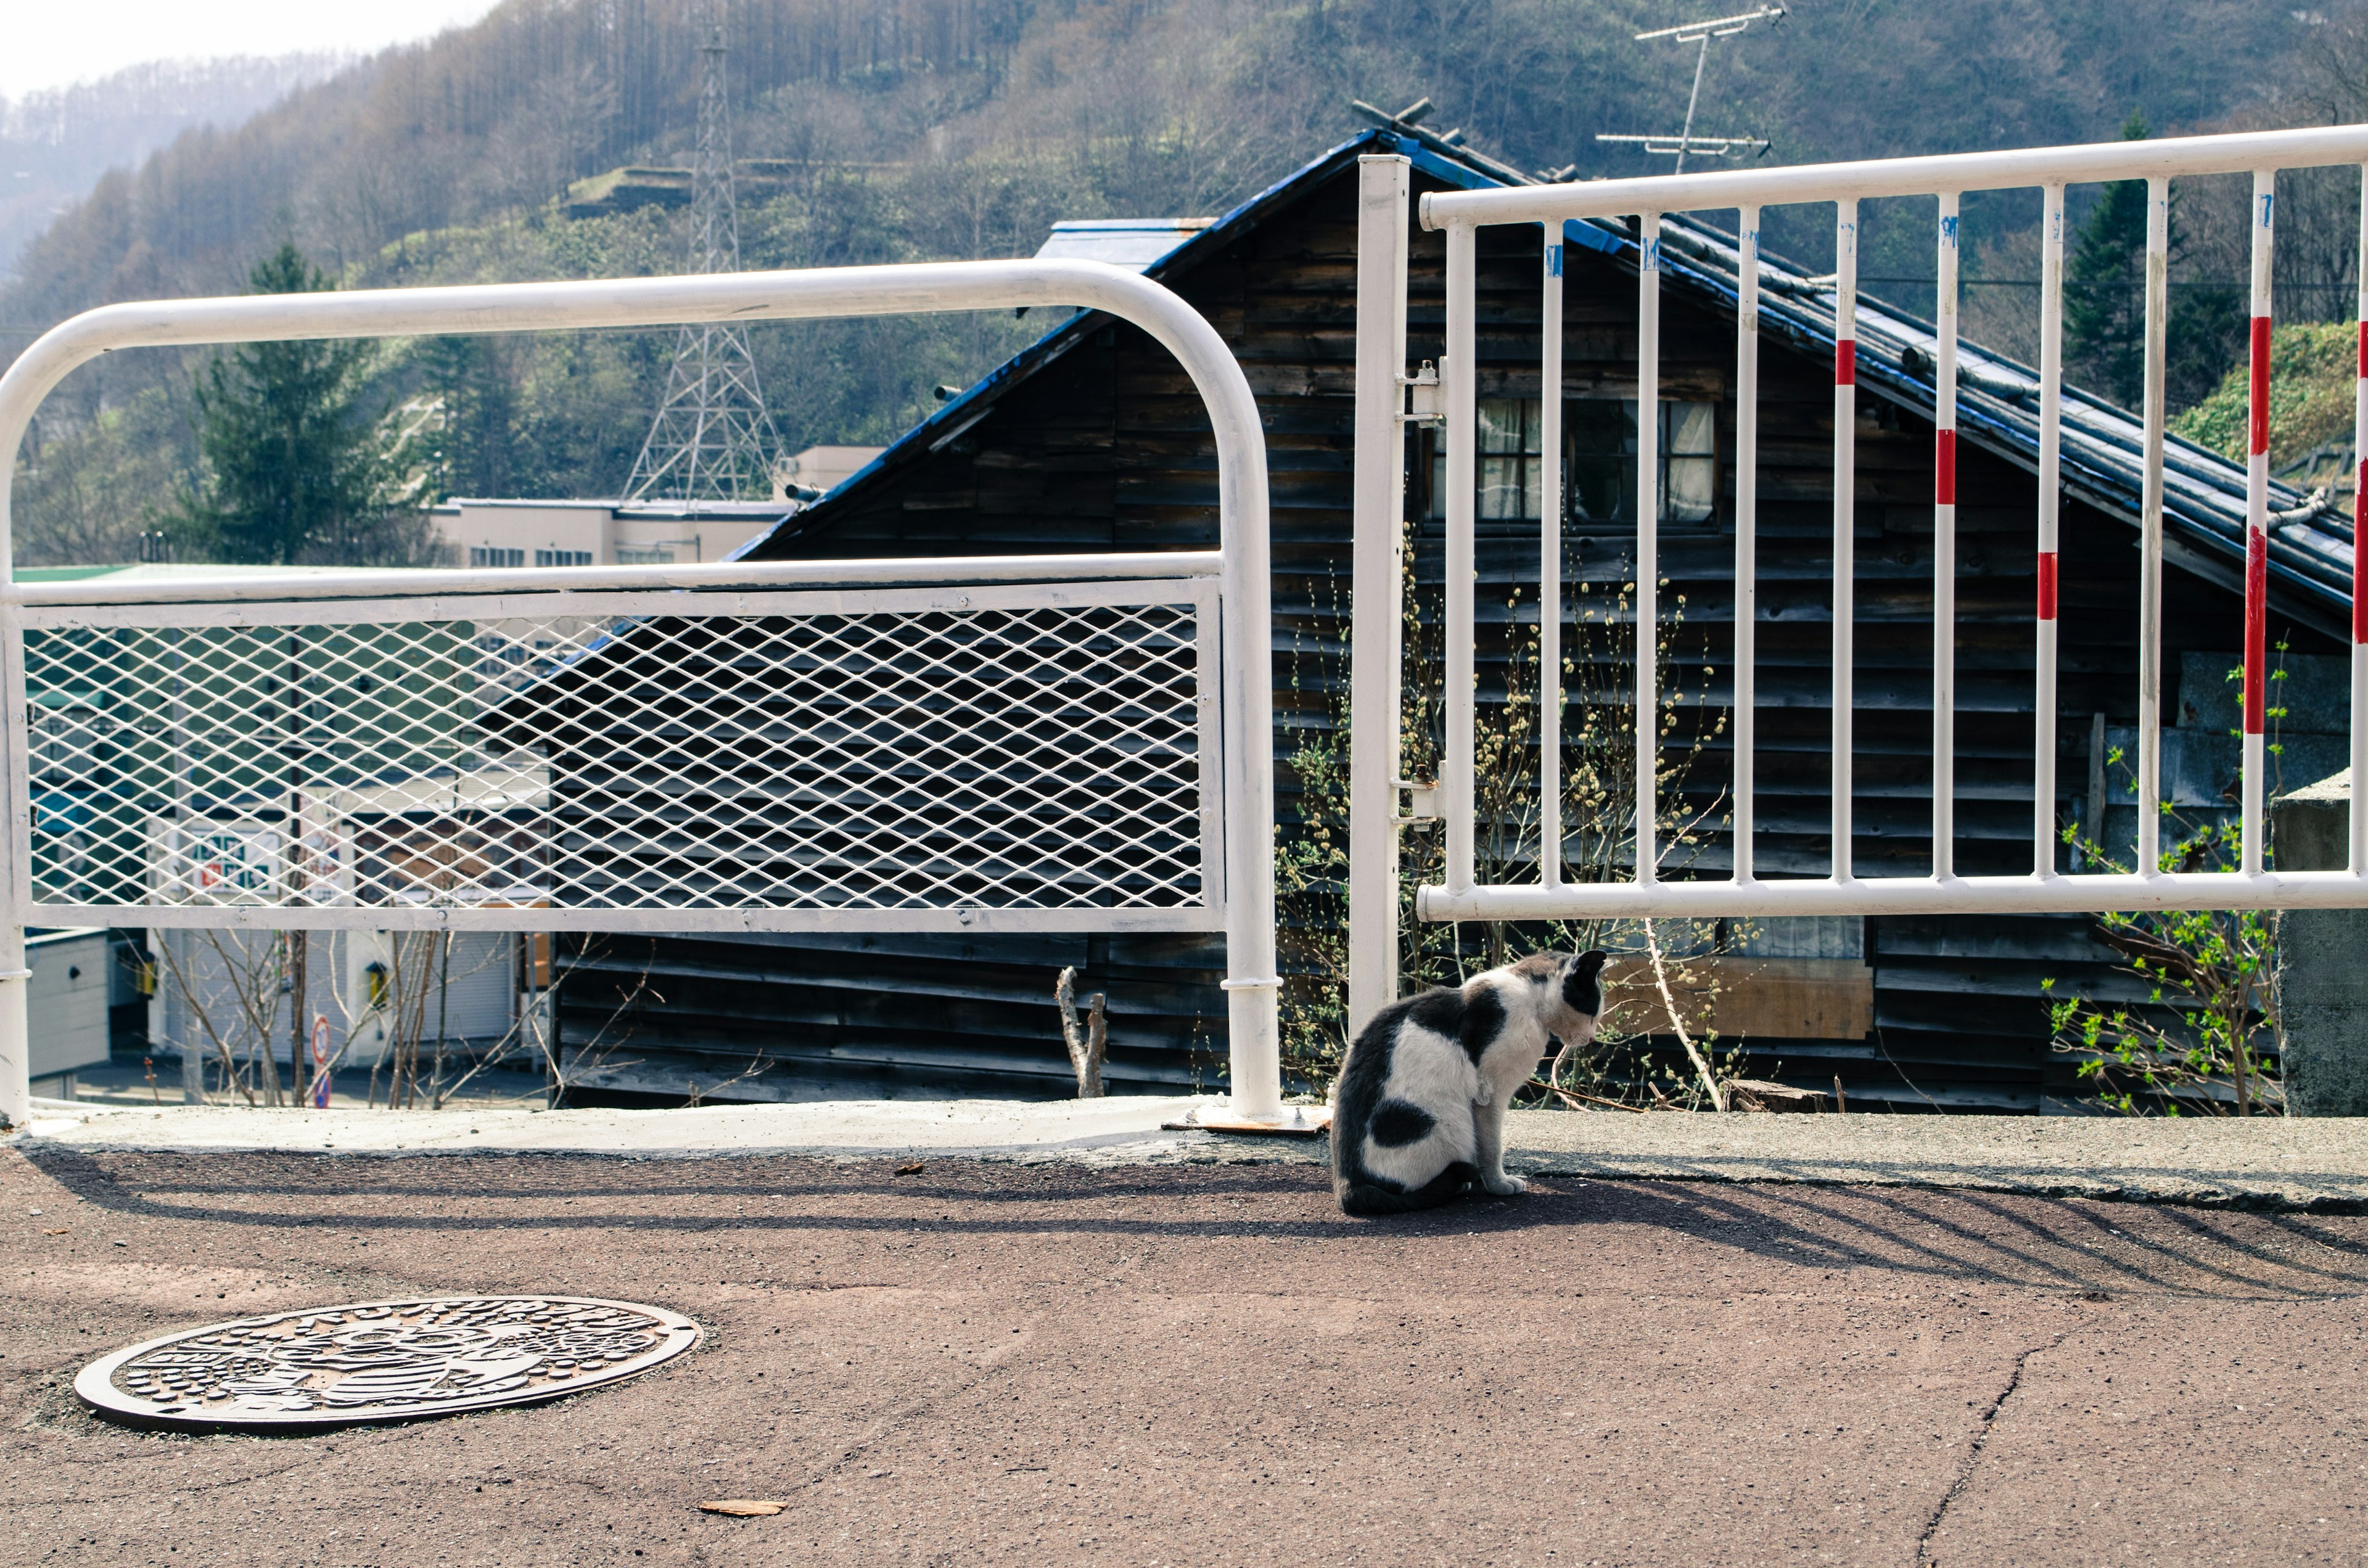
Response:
column 989, row 1361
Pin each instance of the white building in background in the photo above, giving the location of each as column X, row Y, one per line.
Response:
column 467, row 839
column 631, row 533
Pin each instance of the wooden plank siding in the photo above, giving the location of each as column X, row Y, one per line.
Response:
column 1104, row 446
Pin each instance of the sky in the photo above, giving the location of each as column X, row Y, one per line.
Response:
column 53, row 43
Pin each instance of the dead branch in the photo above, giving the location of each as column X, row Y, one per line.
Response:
column 756, row 1064
column 1576, row 1097
column 189, row 997
column 1670, row 1004
column 1087, row 1047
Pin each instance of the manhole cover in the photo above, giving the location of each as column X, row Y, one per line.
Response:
column 382, row 1361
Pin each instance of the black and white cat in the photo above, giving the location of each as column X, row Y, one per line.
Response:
column 1420, row 1107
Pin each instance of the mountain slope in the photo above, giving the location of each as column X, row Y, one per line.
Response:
column 958, row 128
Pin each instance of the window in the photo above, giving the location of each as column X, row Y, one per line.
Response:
column 1602, row 473
column 486, row 556
column 1598, row 462
column 1510, row 466
column 562, row 558
column 658, row 555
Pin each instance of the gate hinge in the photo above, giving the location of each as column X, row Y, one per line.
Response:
column 1426, row 398
column 1422, row 802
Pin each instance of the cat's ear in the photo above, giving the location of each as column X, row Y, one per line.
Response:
column 1581, row 989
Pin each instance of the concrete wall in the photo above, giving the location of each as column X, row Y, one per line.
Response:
column 2323, row 985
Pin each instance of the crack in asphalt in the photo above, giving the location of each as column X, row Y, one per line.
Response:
column 1924, row 1558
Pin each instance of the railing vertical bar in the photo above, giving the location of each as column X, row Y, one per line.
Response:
column 1746, row 527
column 15, row 858
column 17, row 822
column 1648, row 552
column 1461, row 432
column 1550, row 561
column 2051, row 483
column 1944, row 544
column 1845, row 521
column 2358, row 859
column 1377, row 602
column 2157, row 414
column 2257, row 528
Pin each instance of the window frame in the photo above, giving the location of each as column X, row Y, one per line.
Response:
column 1526, row 460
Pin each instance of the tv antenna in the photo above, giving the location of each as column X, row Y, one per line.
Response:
column 1702, row 34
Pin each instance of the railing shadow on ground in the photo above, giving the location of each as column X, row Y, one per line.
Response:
column 1950, row 1236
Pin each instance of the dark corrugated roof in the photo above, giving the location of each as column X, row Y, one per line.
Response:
column 2203, row 492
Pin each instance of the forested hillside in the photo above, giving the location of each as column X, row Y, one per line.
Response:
column 963, row 128
column 55, row 143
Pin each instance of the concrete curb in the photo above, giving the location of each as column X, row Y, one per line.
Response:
column 2318, row 1166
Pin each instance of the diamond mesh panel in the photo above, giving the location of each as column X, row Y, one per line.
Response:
column 878, row 755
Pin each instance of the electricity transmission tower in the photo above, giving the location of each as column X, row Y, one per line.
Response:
column 1686, row 141
column 712, row 439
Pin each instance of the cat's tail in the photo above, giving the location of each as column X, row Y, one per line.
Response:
column 1366, row 1198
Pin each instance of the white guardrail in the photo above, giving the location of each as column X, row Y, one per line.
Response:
column 1381, row 383
column 997, row 744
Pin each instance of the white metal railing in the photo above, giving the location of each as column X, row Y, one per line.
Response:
column 1383, row 388
column 1052, row 742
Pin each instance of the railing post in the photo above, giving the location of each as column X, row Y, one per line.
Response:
column 1460, row 376
column 1747, row 528
column 1550, row 492
column 1845, row 519
column 1945, row 546
column 2157, row 414
column 2257, row 531
column 2357, row 862
column 16, row 815
column 2051, row 494
column 1376, row 598
column 1648, row 540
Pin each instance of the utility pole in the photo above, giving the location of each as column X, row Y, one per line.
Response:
column 712, row 439
column 1701, row 34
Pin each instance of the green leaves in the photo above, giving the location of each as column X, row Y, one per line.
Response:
column 2203, row 1041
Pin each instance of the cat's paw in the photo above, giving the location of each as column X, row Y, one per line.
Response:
column 1505, row 1185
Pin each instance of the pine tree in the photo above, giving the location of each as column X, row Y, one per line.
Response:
column 470, row 376
column 290, row 471
column 2104, row 290
column 2104, row 304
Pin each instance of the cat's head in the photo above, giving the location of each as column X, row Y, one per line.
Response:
column 1578, row 998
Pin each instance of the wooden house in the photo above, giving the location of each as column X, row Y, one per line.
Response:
column 1091, row 439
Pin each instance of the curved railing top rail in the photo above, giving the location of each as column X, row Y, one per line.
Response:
column 916, row 288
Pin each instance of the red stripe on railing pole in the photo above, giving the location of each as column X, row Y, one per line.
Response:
column 2047, row 585
column 2256, row 619
column 2257, row 543
column 1846, row 362
column 2363, row 351
column 2260, row 383
column 1944, row 467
